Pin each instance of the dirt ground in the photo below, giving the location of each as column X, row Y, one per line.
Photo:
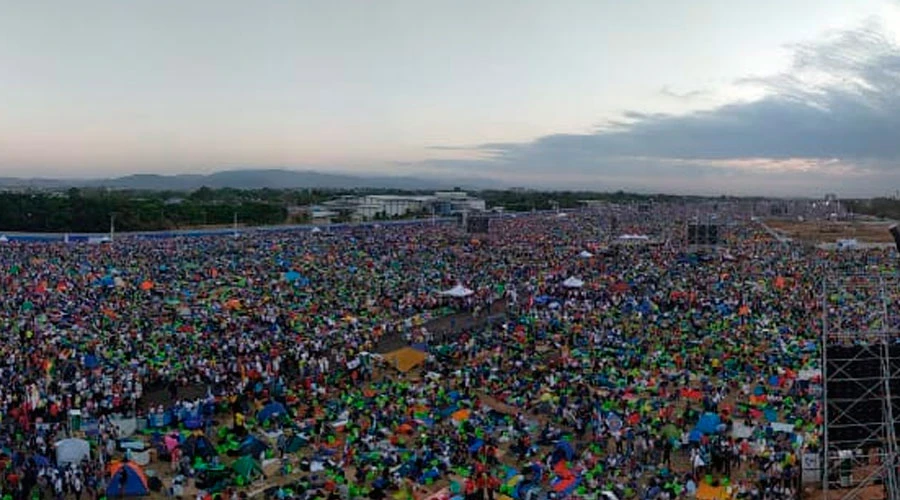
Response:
column 831, row 231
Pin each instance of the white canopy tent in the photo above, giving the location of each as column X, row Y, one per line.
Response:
column 585, row 254
column 573, row 282
column 634, row 237
column 458, row 291
column 72, row 451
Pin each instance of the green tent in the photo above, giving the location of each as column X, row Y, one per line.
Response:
column 248, row 468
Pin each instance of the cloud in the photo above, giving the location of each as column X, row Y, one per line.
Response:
column 832, row 119
column 684, row 96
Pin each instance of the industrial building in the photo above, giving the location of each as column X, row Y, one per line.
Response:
column 368, row 207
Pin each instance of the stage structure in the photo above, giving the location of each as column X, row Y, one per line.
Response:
column 476, row 223
column 861, row 385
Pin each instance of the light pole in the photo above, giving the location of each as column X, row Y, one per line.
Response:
column 112, row 226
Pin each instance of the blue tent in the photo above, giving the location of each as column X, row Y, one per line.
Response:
column 295, row 277
column 542, row 299
column 695, row 436
column 252, row 446
column 199, row 446
column 271, row 410
column 563, row 451
column 709, row 423
column 91, row 361
column 129, row 481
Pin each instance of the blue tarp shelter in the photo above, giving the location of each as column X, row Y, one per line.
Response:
column 271, row 410
column 709, row 423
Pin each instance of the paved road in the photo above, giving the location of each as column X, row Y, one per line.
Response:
column 778, row 235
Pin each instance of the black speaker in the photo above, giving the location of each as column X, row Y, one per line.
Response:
column 895, row 232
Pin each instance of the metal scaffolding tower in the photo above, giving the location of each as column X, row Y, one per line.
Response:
column 861, row 385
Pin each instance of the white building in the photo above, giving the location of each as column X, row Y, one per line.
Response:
column 369, row 207
column 396, row 205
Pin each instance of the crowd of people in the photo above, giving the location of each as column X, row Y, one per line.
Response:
column 658, row 373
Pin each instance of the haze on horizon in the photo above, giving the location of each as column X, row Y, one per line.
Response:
column 775, row 97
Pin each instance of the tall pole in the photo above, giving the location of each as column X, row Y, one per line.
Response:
column 235, row 224
column 112, row 226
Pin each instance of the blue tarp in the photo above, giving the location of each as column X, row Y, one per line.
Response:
column 709, row 423
column 271, row 410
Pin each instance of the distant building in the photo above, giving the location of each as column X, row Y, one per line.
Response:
column 368, row 207
column 456, row 202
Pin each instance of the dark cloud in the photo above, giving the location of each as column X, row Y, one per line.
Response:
column 834, row 113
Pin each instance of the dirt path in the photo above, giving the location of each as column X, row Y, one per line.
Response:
column 445, row 326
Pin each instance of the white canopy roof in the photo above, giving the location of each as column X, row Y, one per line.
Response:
column 457, row 291
column 585, row 254
column 634, row 237
column 573, row 282
column 72, row 451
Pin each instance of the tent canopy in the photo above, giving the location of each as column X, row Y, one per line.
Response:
column 458, row 291
column 252, row 446
column 573, row 282
column 72, row 451
column 563, row 451
column 199, row 446
column 405, row 359
column 247, row 467
column 585, row 254
column 126, row 479
column 271, row 410
column 709, row 423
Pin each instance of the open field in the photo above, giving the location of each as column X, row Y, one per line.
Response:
column 829, row 232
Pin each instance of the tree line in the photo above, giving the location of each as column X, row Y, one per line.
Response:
column 91, row 210
column 87, row 211
column 885, row 208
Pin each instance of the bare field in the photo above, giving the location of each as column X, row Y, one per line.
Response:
column 829, row 232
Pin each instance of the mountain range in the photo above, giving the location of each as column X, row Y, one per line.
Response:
column 249, row 179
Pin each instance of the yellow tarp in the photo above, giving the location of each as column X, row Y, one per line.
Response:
column 405, row 359
column 707, row 492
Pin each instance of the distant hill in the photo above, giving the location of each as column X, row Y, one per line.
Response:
column 248, row 179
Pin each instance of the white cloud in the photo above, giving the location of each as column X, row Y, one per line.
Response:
column 830, row 121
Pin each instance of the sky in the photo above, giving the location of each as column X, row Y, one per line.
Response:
column 771, row 97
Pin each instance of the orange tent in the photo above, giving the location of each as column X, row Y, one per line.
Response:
column 126, row 479
column 779, row 282
column 460, row 415
column 708, row 492
column 147, row 285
